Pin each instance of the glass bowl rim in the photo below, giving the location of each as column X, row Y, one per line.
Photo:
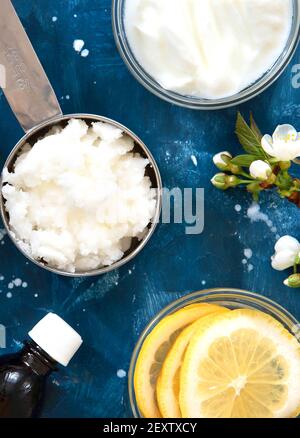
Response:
column 283, row 315
column 265, row 81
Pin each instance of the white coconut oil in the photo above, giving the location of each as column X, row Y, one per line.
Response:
column 78, row 196
column 207, row 48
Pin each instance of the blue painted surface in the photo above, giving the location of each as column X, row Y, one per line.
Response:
column 111, row 311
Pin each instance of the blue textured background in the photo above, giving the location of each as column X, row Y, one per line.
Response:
column 110, row 311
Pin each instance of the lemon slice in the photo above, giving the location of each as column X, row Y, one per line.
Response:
column 241, row 364
column 167, row 388
column 154, row 351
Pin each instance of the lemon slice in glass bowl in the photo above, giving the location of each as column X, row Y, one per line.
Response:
column 241, row 364
column 154, row 351
column 168, row 382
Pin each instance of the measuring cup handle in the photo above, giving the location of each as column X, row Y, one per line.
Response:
column 22, row 77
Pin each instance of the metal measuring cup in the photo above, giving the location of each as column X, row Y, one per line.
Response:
column 33, row 101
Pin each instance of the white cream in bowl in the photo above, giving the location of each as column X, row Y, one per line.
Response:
column 78, row 196
column 207, row 48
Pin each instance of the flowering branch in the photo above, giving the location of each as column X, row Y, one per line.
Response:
column 265, row 164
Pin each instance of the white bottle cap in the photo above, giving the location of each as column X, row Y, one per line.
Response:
column 56, row 338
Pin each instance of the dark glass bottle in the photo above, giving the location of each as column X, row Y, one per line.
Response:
column 23, row 377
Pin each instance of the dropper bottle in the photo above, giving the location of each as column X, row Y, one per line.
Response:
column 23, row 375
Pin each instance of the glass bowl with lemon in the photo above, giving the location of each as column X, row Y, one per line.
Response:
column 218, row 353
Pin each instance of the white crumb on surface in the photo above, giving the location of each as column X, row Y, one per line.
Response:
column 121, row 373
column 255, row 215
column 194, row 160
column 248, row 253
column 237, row 208
column 17, row 282
column 78, row 45
column 85, row 53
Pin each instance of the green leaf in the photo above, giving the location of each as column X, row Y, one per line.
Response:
column 255, row 129
column 244, row 160
column 247, row 137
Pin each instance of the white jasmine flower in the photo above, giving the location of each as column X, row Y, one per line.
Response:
column 222, row 159
column 287, row 249
column 284, row 145
column 260, row 170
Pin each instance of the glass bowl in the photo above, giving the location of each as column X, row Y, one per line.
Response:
column 231, row 298
column 250, row 92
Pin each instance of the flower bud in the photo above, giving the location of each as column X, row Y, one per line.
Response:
column 293, row 281
column 220, row 181
column 222, row 160
column 260, row 170
column 223, row 182
column 232, row 181
column 233, row 168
